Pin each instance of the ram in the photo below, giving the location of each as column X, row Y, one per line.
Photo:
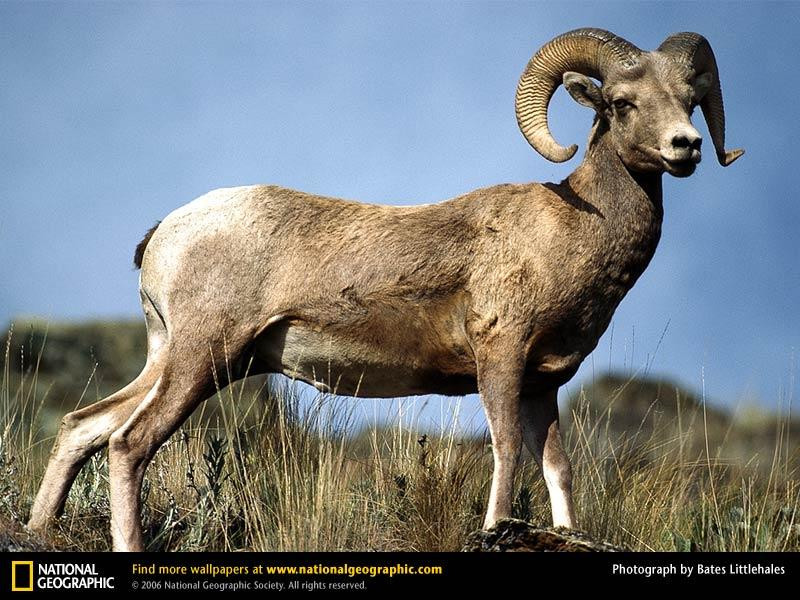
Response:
column 503, row 291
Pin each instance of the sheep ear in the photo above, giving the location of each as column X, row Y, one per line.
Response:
column 701, row 84
column 584, row 91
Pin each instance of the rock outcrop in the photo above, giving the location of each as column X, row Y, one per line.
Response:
column 513, row 535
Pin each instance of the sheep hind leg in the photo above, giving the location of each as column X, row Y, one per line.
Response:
column 187, row 380
column 83, row 433
column 539, row 416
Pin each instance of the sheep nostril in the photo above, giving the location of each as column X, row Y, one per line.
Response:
column 684, row 142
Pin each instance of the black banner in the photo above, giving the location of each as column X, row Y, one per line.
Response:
column 368, row 573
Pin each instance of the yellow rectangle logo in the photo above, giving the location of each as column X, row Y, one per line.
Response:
column 18, row 566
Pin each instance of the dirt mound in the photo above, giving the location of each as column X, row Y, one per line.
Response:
column 513, row 535
column 16, row 538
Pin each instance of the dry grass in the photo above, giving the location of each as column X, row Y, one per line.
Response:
column 284, row 473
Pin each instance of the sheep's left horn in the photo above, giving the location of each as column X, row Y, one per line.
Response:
column 589, row 51
column 693, row 50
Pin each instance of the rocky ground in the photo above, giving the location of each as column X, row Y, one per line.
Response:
column 513, row 535
column 15, row 538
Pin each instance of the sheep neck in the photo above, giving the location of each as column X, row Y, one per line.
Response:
column 603, row 180
column 628, row 204
column 619, row 224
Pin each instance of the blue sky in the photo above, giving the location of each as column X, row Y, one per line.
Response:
column 113, row 114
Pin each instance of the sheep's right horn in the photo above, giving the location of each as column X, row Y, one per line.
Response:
column 693, row 50
column 589, row 51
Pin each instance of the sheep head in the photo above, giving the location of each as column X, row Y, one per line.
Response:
column 644, row 103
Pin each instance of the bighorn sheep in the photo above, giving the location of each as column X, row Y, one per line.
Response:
column 504, row 290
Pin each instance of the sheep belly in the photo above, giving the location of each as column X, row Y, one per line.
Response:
column 352, row 367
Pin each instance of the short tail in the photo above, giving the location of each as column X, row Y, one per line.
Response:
column 140, row 248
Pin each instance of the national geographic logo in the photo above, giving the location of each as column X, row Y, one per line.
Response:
column 27, row 576
column 21, row 575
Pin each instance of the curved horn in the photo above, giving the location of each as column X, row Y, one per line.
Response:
column 693, row 50
column 589, row 51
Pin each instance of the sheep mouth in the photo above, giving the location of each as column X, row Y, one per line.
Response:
column 677, row 167
column 680, row 168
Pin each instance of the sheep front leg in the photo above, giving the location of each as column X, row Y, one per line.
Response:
column 539, row 415
column 499, row 383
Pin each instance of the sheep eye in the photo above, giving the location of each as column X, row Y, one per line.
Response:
column 621, row 104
